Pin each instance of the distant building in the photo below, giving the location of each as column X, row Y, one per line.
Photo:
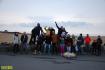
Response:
column 7, row 37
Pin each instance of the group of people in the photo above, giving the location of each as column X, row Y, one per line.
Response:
column 50, row 43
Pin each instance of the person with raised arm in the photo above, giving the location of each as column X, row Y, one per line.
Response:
column 60, row 29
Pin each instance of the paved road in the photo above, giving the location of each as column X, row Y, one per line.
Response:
column 42, row 62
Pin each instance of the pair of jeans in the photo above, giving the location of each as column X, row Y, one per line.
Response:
column 62, row 48
column 68, row 49
column 47, row 48
column 79, row 49
column 87, row 48
column 16, row 48
column 24, row 48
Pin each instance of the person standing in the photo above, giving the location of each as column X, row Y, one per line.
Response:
column 40, row 43
column 99, row 45
column 69, row 43
column 24, row 45
column 16, row 42
column 94, row 47
column 47, row 46
column 54, row 43
column 48, row 41
column 74, row 42
column 62, row 43
column 87, row 43
column 80, row 42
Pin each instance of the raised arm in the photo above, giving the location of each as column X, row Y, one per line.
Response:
column 57, row 25
column 45, row 29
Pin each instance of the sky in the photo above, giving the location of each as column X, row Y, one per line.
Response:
column 77, row 16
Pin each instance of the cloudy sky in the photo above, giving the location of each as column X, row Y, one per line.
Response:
column 77, row 16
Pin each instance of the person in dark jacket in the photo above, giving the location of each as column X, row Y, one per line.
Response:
column 60, row 29
column 94, row 47
column 24, row 46
column 99, row 45
column 24, row 38
column 69, row 43
column 47, row 46
column 40, row 42
column 35, row 32
column 80, row 42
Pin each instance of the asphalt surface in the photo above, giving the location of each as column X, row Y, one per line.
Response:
column 46, row 62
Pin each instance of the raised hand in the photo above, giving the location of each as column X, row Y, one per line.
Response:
column 55, row 22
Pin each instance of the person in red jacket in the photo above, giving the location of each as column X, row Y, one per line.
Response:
column 87, row 43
